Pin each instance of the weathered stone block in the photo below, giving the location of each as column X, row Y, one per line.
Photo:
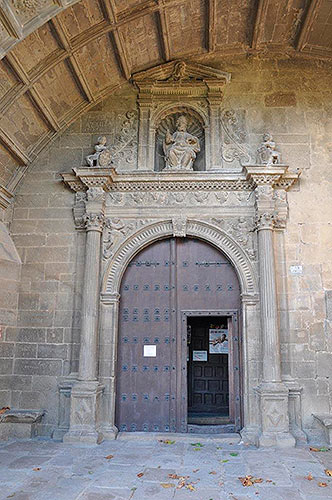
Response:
column 37, row 367
column 6, row 350
column 26, row 334
column 35, row 318
column 52, row 351
column 28, row 301
column 26, row 350
column 54, row 335
column 47, row 254
column 280, row 100
column 324, row 364
column 328, row 299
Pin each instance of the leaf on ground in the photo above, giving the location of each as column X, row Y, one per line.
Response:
column 11, row 496
column 197, row 445
column 322, row 485
column 328, row 472
column 140, row 474
column 36, row 468
column 190, row 487
column 109, row 457
column 213, row 472
column 3, row 410
column 309, row 477
column 233, row 454
column 166, row 441
column 167, row 485
column 268, row 480
column 258, row 480
column 246, row 481
column 197, row 449
column 224, row 461
column 195, row 470
column 219, row 447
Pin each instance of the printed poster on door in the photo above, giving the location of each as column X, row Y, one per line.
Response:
column 218, row 341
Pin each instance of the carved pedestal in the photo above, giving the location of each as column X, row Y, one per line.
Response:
column 85, row 409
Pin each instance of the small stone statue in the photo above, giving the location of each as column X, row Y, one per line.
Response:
column 180, row 148
column 266, row 153
column 102, row 155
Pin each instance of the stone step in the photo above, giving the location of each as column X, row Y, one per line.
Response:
column 226, row 438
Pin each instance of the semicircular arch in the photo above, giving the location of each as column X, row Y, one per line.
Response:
column 164, row 229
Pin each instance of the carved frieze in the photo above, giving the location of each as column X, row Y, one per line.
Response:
column 234, row 145
column 242, row 229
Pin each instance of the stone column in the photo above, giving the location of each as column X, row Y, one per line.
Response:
column 272, row 391
column 107, row 361
column 86, row 392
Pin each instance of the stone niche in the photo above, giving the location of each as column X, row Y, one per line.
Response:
column 169, row 91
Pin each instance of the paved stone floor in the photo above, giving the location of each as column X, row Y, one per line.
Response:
column 140, row 469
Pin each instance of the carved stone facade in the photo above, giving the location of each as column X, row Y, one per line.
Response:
column 236, row 212
column 237, row 203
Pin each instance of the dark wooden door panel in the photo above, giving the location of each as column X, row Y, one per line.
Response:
column 162, row 280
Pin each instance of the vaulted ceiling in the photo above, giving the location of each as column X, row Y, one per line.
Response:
column 60, row 57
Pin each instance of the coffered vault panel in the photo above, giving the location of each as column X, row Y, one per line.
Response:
column 64, row 56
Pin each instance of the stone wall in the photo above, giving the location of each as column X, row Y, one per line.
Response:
column 289, row 99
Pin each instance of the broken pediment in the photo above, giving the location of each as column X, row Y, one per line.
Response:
column 180, row 72
column 181, row 77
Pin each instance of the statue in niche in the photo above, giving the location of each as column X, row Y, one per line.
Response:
column 180, row 149
column 102, row 155
column 266, row 153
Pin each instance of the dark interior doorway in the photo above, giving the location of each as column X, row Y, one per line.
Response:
column 208, row 370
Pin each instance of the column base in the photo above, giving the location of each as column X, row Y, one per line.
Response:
column 279, row 440
column 250, row 436
column 84, row 413
column 273, row 399
column 108, row 432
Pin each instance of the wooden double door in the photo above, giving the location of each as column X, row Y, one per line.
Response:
column 165, row 287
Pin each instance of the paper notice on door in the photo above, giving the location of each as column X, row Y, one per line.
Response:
column 150, row 351
column 218, row 341
column 199, row 355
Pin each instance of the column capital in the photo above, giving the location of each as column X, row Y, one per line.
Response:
column 94, row 221
column 266, row 220
column 110, row 298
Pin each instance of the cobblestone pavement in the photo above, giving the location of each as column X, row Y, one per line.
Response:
column 140, row 469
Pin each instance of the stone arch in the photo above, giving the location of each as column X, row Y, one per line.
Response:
column 195, row 228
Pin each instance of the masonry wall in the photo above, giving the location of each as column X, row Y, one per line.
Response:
column 292, row 100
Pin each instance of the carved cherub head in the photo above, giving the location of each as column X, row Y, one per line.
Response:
column 102, row 140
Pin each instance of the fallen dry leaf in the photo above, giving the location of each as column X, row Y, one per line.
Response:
column 181, row 484
column 322, row 485
column 268, row 480
column 4, row 409
column 309, row 477
column 140, row 474
column 109, row 457
column 190, row 487
column 167, row 485
column 328, row 472
column 213, row 472
column 258, row 480
column 166, row 441
column 36, row 468
column 195, row 470
column 246, row 481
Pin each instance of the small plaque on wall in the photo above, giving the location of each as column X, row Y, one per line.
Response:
column 199, row 355
column 150, row 351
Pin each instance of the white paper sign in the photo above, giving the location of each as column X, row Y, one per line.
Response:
column 296, row 269
column 199, row 355
column 150, row 351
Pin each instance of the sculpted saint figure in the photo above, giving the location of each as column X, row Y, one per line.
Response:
column 180, row 148
column 266, row 153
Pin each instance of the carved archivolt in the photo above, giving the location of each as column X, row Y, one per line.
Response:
column 164, row 229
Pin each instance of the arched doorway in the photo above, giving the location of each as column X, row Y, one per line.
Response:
column 178, row 348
